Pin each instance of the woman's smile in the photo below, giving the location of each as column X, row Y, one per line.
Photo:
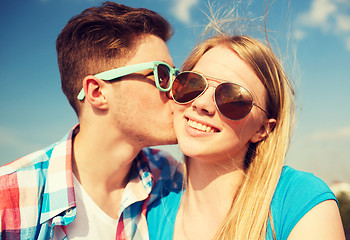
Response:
column 201, row 126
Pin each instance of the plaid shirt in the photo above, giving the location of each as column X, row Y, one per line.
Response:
column 37, row 196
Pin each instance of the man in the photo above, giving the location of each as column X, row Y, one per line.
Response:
column 96, row 182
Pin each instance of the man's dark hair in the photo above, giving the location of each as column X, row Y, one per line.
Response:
column 102, row 38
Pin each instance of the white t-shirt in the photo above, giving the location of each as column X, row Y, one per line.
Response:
column 90, row 222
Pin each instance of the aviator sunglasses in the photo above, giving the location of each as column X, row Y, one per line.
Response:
column 233, row 101
column 163, row 74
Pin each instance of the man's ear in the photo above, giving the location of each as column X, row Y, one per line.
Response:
column 264, row 130
column 93, row 92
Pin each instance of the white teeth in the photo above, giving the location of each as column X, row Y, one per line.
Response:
column 209, row 129
column 200, row 126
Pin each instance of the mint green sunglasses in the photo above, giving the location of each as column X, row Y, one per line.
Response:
column 163, row 74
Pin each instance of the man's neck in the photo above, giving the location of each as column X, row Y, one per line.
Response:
column 102, row 164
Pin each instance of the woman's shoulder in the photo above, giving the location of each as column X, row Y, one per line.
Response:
column 300, row 188
column 297, row 193
column 292, row 180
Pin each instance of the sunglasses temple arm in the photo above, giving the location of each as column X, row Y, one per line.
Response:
column 261, row 109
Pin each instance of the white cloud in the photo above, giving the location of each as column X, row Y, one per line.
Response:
column 343, row 23
column 299, row 34
column 319, row 15
column 340, row 134
column 320, row 12
column 182, row 9
column 329, row 16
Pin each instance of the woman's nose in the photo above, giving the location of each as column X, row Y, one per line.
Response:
column 205, row 104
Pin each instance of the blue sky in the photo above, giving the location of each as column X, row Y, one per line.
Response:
column 311, row 37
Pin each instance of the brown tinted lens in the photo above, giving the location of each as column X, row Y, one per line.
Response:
column 163, row 76
column 187, row 86
column 233, row 101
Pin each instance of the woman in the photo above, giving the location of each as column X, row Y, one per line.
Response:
column 233, row 120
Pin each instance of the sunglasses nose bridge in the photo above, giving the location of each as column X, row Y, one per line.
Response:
column 212, row 92
column 213, row 85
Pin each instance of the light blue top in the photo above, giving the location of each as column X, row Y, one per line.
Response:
column 296, row 193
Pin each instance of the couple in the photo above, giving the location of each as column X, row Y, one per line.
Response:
column 232, row 111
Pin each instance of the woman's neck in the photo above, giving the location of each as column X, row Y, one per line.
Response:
column 213, row 183
column 208, row 197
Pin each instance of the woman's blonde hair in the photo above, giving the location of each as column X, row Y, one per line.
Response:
column 250, row 209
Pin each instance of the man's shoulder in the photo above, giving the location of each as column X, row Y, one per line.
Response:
column 20, row 183
column 167, row 173
column 163, row 166
column 31, row 161
column 38, row 160
column 161, row 160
